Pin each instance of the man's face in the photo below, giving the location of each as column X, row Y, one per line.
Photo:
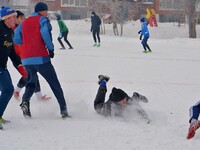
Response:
column 43, row 13
column 10, row 22
column 20, row 19
column 122, row 102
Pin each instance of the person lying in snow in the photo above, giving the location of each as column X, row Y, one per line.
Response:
column 194, row 122
column 118, row 101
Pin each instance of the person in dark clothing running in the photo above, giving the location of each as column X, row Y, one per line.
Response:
column 118, row 101
column 63, row 32
column 22, row 82
column 95, row 28
column 7, row 51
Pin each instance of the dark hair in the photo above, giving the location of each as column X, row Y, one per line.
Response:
column 19, row 13
column 58, row 16
column 93, row 13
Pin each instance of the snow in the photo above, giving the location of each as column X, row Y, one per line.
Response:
column 168, row 77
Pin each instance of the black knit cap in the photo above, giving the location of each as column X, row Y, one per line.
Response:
column 117, row 95
column 40, row 6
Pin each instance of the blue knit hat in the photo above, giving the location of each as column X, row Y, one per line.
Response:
column 142, row 19
column 40, row 6
column 6, row 12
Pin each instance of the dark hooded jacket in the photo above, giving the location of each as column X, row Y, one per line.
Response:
column 6, row 46
column 96, row 22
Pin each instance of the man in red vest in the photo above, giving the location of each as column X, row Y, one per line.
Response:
column 35, row 36
column 22, row 82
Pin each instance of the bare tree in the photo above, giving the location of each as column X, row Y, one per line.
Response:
column 4, row 2
column 114, row 16
column 179, row 6
column 120, row 13
column 191, row 7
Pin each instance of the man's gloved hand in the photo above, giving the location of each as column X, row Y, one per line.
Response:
column 140, row 37
column 22, row 71
column 51, row 54
column 139, row 31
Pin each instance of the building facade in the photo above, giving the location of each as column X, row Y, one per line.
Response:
column 166, row 10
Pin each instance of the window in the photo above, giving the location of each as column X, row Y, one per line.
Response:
column 147, row 1
column 171, row 4
column 76, row 3
column 20, row 3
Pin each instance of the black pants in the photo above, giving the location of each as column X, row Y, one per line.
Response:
column 96, row 33
column 100, row 98
column 48, row 72
column 22, row 83
column 64, row 34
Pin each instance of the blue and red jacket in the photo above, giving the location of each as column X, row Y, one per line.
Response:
column 34, row 34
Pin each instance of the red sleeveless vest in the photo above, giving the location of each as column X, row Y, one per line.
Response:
column 33, row 44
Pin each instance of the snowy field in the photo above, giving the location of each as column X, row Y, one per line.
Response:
column 168, row 77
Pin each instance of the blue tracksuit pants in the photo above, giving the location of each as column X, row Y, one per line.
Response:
column 194, row 111
column 6, row 89
column 144, row 43
column 49, row 74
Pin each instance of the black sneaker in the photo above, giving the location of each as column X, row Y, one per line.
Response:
column 65, row 114
column 26, row 109
column 62, row 48
column 103, row 77
column 139, row 97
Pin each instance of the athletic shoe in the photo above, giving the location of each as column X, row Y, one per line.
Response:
column 65, row 114
column 1, row 123
column 45, row 98
column 62, row 48
column 103, row 77
column 193, row 127
column 139, row 97
column 4, row 121
column 145, row 51
column 26, row 109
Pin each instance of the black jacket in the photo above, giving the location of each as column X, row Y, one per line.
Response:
column 6, row 46
column 96, row 22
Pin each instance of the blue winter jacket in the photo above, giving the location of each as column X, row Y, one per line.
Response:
column 96, row 22
column 45, row 30
column 145, row 31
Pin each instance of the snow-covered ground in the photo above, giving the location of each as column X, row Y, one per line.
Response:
column 168, row 77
